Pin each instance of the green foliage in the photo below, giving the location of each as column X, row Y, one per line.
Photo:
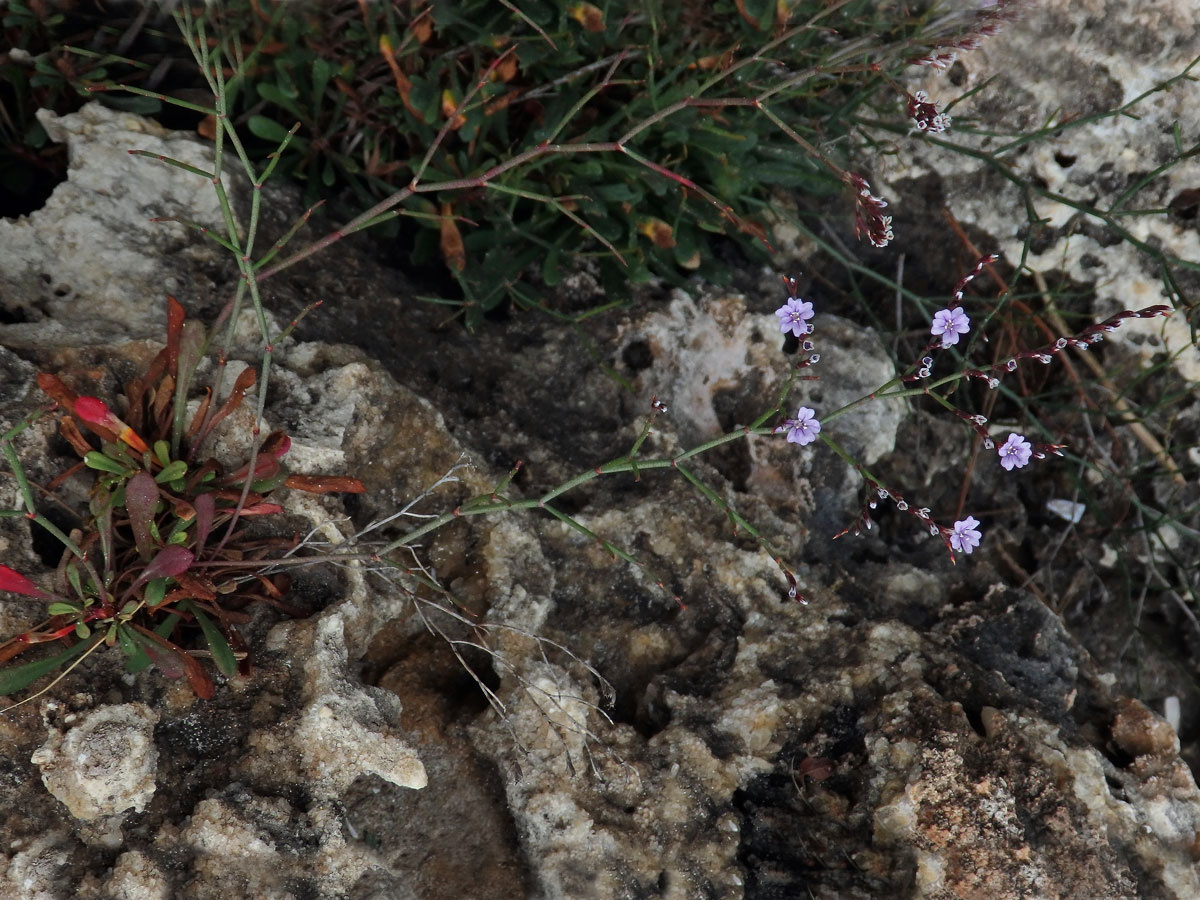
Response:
column 453, row 91
column 541, row 131
column 40, row 71
column 528, row 134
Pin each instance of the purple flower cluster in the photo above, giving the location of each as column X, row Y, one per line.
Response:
column 948, row 325
column 793, row 317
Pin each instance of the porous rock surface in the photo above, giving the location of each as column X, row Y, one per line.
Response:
column 103, row 764
column 83, row 269
column 1113, row 84
column 1068, row 67
column 915, row 731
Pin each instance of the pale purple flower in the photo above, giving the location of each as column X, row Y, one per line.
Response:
column 1015, row 452
column 803, row 429
column 950, row 323
column 964, row 538
column 794, row 316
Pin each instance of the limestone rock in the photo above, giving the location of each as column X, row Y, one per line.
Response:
column 111, row 266
column 142, row 748
column 916, row 731
column 103, row 765
column 1067, row 63
column 341, row 730
column 35, row 867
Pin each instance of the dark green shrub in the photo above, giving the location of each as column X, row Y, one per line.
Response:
column 671, row 122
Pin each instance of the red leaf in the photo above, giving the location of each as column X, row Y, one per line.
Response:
column 454, row 251
column 53, row 388
column 206, row 508
column 94, row 411
column 70, row 431
column 169, row 562
column 264, row 467
column 245, row 380
column 324, row 484
column 175, row 661
column 102, row 419
column 141, row 496
column 174, row 333
column 262, row 509
column 198, row 680
column 196, row 588
column 276, row 444
column 16, row 583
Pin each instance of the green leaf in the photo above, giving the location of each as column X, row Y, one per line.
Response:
column 322, row 71
column 762, row 12
column 551, row 271
column 97, row 460
column 19, row 676
column 687, row 250
column 156, row 589
column 617, row 193
column 676, row 136
column 718, row 141
column 136, row 659
column 273, row 94
column 223, row 656
column 72, row 568
column 36, row 136
column 142, row 106
column 63, row 609
column 269, row 129
column 781, row 174
column 172, row 471
column 266, row 485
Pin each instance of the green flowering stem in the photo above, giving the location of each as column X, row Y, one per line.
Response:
column 845, row 456
column 485, row 505
column 282, row 242
column 884, row 392
column 587, row 532
column 105, row 86
column 19, row 474
column 14, row 462
column 491, row 503
column 735, row 518
column 171, row 161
